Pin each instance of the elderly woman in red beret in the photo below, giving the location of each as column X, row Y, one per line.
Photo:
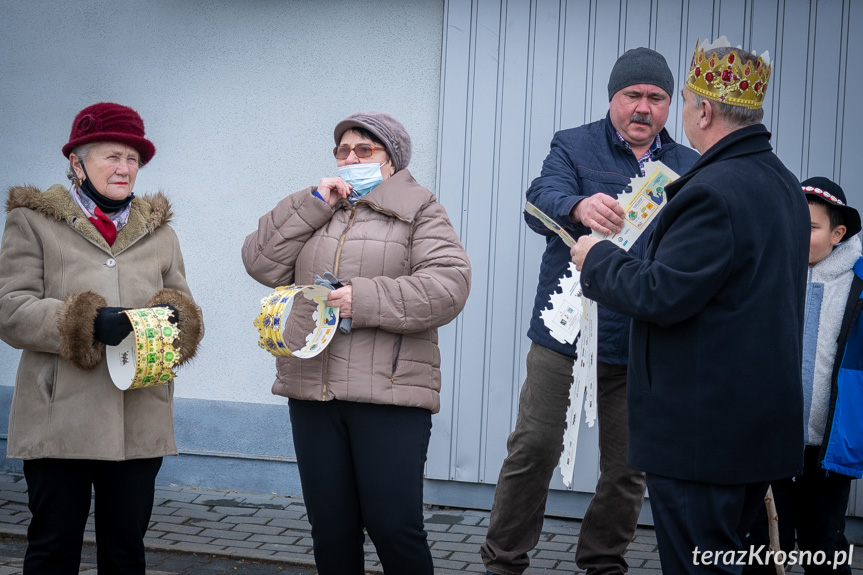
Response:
column 72, row 258
column 361, row 411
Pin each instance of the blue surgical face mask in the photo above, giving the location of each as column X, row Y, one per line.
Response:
column 363, row 178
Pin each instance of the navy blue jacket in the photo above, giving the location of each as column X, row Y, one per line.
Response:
column 842, row 448
column 714, row 384
column 582, row 162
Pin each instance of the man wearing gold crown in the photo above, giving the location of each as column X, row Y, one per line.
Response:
column 714, row 389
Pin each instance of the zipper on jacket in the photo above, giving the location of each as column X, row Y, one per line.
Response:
column 342, row 240
column 336, row 273
column 324, row 388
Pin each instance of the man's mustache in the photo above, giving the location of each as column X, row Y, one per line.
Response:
column 642, row 119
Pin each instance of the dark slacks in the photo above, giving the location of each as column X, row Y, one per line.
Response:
column 811, row 510
column 59, row 493
column 361, row 467
column 692, row 518
column 534, row 449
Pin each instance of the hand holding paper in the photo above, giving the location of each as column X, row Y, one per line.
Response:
column 601, row 213
column 579, row 251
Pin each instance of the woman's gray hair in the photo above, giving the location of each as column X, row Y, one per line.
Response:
column 735, row 116
column 81, row 152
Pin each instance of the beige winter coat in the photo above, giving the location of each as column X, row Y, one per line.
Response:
column 410, row 275
column 56, row 270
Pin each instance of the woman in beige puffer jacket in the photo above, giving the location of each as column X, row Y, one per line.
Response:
column 361, row 410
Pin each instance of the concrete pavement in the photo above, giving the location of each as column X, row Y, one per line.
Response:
column 207, row 532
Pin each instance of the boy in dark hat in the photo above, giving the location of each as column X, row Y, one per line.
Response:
column 813, row 504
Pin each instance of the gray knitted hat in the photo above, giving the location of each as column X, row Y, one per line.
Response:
column 640, row 66
column 387, row 129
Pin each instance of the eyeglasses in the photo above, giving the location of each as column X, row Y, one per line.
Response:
column 361, row 150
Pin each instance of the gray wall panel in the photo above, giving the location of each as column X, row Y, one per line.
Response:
column 791, row 75
column 452, row 130
column 504, row 355
column 824, row 50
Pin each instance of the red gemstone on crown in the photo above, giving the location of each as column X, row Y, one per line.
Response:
column 697, row 72
column 757, row 86
column 731, row 58
column 709, row 76
column 726, row 75
column 744, row 84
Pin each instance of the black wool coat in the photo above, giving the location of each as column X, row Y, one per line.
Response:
column 714, row 384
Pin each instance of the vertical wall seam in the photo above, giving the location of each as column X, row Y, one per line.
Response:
column 465, row 181
column 777, row 75
column 807, row 82
column 493, row 228
column 843, row 85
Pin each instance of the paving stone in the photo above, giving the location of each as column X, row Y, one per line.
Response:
column 276, row 547
column 452, row 546
column 236, row 543
column 441, row 553
column 553, row 546
column 252, row 553
column 448, row 536
column 174, row 528
column 274, row 539
column 180, row 496
column 258, row 529
column 291, row 524
column 447, row 564
column 637, row 554
column 468, row 530
column 552, row 555
column 161, row 518
column 206, row 524
column 245, row 519
column 278, row 513
column 178, row 505
column 199, row 513
column 224, row 534
column 188, row 538
column 237, row 511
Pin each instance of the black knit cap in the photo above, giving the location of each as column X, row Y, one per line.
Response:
column 831, row 193
column 640, row 66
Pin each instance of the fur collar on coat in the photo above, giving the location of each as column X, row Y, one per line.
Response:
column 147, row 213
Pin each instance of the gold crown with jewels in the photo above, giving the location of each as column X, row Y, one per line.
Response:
column 729, row 79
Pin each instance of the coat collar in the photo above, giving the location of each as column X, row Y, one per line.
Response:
column 147, row 213
column 399, row 195
column 749, row 140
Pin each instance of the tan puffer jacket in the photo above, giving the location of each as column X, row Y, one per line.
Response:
column 410, row 275
column 56, row 270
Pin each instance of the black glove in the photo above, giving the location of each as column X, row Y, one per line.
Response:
column 110, row 326
column 174, row 318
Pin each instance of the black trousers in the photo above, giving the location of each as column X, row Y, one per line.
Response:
column 361, row 466
column 811, row 510
column 692, row 518
column 59, row 498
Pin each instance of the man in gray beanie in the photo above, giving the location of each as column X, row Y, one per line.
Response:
column 581, row 176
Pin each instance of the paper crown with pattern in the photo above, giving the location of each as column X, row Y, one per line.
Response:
column 730, row 79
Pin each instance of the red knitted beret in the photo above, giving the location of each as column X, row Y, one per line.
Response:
column 107, row 122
